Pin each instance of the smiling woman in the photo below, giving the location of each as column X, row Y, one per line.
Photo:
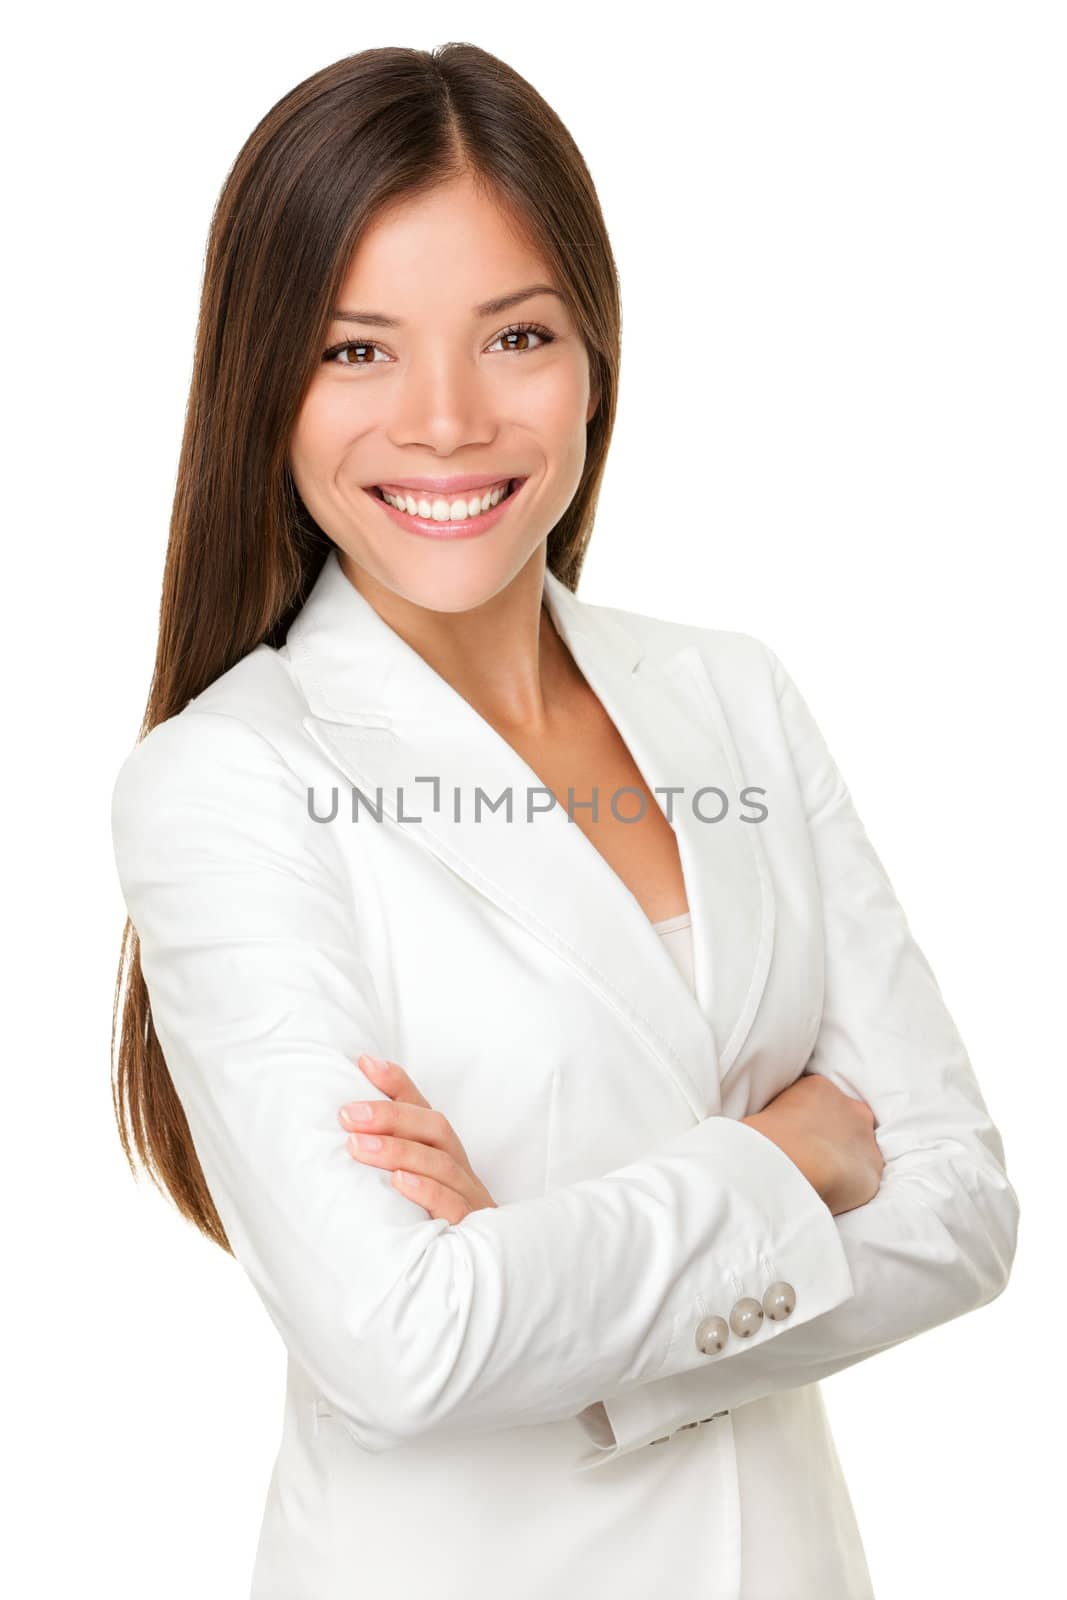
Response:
column 525, row 1190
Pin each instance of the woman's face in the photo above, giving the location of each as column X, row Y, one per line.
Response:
column 444, row 389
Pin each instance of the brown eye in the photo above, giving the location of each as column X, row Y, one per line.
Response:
column 522, row 333
column 347, row 345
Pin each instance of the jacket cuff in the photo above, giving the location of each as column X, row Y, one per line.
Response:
column 807, row 1254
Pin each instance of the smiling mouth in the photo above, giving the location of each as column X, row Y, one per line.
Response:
column 433, row 500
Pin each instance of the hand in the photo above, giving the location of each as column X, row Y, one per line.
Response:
column 829, row 1135
column 418, row 1144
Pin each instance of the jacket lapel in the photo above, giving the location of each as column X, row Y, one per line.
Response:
column 410, row 743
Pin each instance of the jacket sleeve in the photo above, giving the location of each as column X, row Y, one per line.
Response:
column 261, row 999
column 938, row 1239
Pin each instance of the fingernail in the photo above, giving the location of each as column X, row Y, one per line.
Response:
column 408, row 1177
column 359, row 1111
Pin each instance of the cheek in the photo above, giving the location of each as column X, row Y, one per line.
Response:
column 569, row 421
column 554, row 408
column 321, row 435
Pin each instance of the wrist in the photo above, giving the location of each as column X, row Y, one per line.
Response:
column 808, row 1154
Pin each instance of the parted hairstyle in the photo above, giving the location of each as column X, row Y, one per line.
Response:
column 243, row 551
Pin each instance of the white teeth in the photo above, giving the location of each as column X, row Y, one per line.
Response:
column 441, row 510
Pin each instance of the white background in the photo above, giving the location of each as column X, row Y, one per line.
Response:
column 841, row 236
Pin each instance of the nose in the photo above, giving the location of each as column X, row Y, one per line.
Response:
column 443, row 403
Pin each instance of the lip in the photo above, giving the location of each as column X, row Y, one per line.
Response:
column 469, row 528
column 446, row 486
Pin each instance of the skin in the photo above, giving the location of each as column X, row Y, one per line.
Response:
column 443, row 393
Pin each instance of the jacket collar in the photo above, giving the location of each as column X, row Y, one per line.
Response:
column 392, row 725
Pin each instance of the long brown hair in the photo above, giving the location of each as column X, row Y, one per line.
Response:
column 243, row 551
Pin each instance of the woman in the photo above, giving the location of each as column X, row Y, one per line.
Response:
column 567, row 908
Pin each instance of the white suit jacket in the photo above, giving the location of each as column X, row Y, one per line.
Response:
column 443, row 1431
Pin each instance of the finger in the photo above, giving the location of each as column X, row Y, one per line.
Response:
column 441, row 1202
column 391, row 1079
column 420, row 1123
column 423, row 1160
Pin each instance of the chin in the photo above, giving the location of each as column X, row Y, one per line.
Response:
column 455, row 586
column 452, row 578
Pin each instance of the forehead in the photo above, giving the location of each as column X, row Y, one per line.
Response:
column 453, row 247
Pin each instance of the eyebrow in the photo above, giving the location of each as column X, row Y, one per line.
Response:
column 489, row 308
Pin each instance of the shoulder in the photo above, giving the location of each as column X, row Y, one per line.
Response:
column 737, row 661
column 762, row 704
column 226, row 753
